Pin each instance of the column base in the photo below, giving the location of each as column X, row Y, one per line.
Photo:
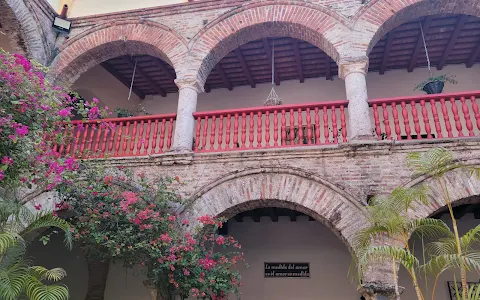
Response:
column 379, row 291
column 180, row 150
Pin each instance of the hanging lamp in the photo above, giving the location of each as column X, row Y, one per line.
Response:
column 273, row 98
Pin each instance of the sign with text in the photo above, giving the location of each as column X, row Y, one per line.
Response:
column 287, row 270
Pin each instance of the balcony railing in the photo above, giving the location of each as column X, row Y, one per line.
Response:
column 314, row 124
column 427, row 117
column 271, row 127
column 122, row 137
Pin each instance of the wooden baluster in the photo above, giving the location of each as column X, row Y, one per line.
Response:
column 456, row 117
column 70, row 140
column 259, row 129
column 416, row 122
column 97, row 140
column 446, row 118
column 85, row 133
column 436, row 119
column 104, row 143
column 220, row 132
column 146, row 145
column 197, row 134
column 76, row 140
column 140, row 137
column 476, row 112
column 326, row 131
column 317, row 126
column 205, row 131
column 267, row 128
column 163, row 129
column 119, row 139
column 376, row 117
column 406, row 121
column 466, row 115
column 154, row 137
column 309, row 127
column 134, row 137
column 386, row 121
column 62, row 145
column 91, row 140
column 227, row 135
column 113, row 132
column 126, row 138
column 292, row 127
column 235, row 132
column 170, row 133
column 426, row 120
column 252, row 125
column 275, row 128
column 244, row 130
column 300, row 126
column 396, row 120
column 284, row 128
column 212, row 132
column 343, row 119
column 334, row 125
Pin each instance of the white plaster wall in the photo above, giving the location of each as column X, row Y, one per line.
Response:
column 466, row 223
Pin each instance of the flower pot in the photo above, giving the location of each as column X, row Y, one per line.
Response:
column 434, row 87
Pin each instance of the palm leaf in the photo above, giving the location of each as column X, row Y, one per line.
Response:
column 384, row 253
column 38, row 291
column 45, row 220
column 42, row 273
column 471, row 237
column 9, row 240
column 12, row 281
column 429, row 227
column 435, row 162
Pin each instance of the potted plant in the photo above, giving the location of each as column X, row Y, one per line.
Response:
column 435, row 84
column 123, row 112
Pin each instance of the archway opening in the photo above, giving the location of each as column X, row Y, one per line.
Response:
column 467, row 215
column 290, row 255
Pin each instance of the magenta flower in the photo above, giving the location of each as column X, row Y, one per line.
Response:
column 7, row 161
column 22, row 130
column 65, row 112
column 2, row 176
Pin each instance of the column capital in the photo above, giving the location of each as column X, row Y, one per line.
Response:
column 191, row 83
column 347, row 67
column 379, row 291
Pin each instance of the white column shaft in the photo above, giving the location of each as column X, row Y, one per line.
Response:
column 185, row 124
column 360, row 123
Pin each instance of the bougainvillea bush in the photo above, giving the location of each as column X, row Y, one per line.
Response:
column 34, row 114
column 129, row 219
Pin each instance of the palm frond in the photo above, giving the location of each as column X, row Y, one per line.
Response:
column 43, row 220
column 9, row 240
column 443, row 246
column 434, row 162
column 42, row 273
column 471, row 262
column 384, row 253
column 38, row 291
column 469, row 238
column 429, row 227
column 12, row 281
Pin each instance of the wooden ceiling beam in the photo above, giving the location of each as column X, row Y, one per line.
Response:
column 293, row 216
column 122, row 79
column 207, row 88
column 268, row 51
column 416, row 51
column 220, row 71
column 164, row 69
column 240, row 57
column 460, row 211
column 139, row 70
column 274, row 214
column 296, row 49
column 386, row 53
column 453, row 38
column 474, row 56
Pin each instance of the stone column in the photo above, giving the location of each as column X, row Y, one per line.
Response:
column 359, row 122
column 187, row 105
column 97, row 278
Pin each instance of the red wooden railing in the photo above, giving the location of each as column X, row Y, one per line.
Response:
column 271, row 127
column 119, row 137
column 429, row 116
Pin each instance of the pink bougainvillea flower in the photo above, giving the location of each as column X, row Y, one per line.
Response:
column 38, row 206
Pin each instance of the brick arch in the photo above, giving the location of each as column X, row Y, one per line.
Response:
column 104, row 42
column 23, row 30
column 379, row 17
column 260, row 19
column 276, row 187
column 462, row 186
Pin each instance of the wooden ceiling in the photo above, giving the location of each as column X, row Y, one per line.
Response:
column 451, row 39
